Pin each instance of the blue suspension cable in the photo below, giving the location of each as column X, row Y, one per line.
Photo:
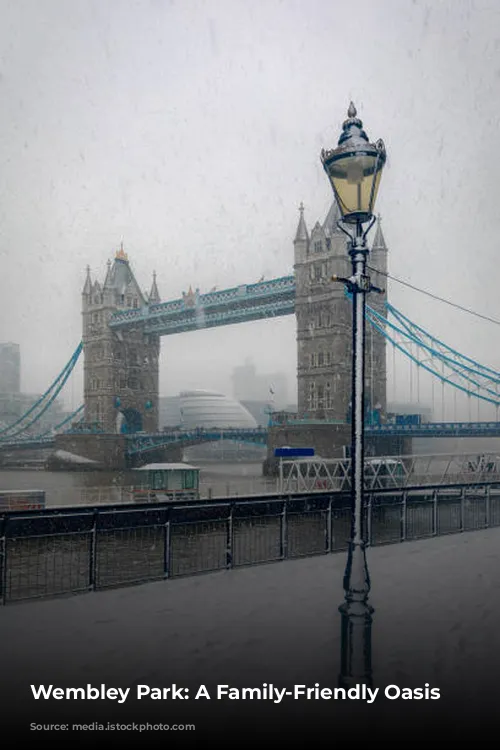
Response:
column 430, row 370
column 61, row 424
column 47, row 406
column 457, row 367
column 399, row 315
column 452, row 365
column 63, row 376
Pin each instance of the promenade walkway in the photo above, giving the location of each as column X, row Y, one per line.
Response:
column 437, row 621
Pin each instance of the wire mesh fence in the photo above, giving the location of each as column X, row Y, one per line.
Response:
column 72, row 550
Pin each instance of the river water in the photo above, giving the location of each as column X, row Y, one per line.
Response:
column 218, row 478
column 66, row 488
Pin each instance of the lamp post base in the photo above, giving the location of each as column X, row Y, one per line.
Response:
column 356, row 644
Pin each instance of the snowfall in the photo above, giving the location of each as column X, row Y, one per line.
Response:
column 436, row 621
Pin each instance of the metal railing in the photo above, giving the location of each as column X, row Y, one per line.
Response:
column 334, row 474
column 74, row 550
column 212, row 491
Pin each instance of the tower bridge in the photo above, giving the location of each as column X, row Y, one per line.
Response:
column 122, row 327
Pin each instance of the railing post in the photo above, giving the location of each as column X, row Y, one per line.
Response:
column 284, row 531
column 403, row 517
column 462, row 509
column 369, row 519
column 3, row 564
column 487, row 507
column 93, row 552
column 166, row 548
column 229, row 539
column 435, row 522
column 328, row 527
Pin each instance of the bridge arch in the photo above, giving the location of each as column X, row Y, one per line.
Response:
column 129, row 421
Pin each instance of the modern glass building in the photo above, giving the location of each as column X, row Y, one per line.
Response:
column 207, row 409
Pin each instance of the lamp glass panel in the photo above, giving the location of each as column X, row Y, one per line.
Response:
column 353, row 178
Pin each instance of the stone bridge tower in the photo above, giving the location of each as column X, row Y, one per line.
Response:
column 120, row 367
column 324, row 323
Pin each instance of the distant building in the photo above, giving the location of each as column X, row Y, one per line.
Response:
column 10, row 368
column 14, row 404
column 200, row 408
column 206, row 410
column 171, row 416
column 209, row 409
column 169, row 410
column 250, row 386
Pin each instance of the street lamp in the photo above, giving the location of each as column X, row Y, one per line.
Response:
column 354, row 169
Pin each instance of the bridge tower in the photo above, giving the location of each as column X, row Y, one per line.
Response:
column 324, row 323
column 376, row 368
column 120, row 368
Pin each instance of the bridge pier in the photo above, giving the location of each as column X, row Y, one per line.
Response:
column 328, row 441
column 389, row 445
column 108, row 451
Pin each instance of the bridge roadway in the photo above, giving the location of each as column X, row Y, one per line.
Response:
column 244, row 303
column 259, row 436
column 140, row 443
column 143, row 443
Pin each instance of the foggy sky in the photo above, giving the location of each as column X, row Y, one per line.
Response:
column 191, row 131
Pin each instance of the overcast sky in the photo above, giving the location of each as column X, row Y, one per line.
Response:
column 191, row 131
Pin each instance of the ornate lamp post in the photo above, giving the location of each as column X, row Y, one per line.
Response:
column 354, row 169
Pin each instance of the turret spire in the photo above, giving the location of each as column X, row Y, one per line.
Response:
column 87, row 288
column 107, row 280
column 121, row 254
column 301, row 233
column 154, row 295
column 378, row 240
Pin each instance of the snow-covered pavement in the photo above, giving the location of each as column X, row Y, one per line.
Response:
column 437, row 621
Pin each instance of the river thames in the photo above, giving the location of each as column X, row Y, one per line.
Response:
column 219, row 477
column 62, row 488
